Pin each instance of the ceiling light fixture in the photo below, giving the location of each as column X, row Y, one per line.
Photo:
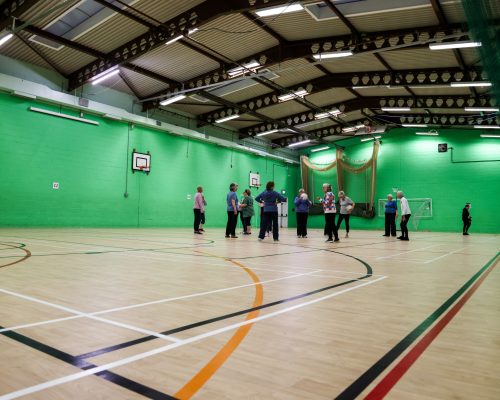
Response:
column 252, row 66
column 320, row 149
column 175, row 39
column 299, row 143
column 481, row 109
column 105, row 75
column 414, row 125
column 6, row 38
column 486, row 127
column 371, row 138
column 193, row 30
column 294, row 95
column 333, row 54
column 268, row 132
column 224, row 119
column 454, row 45
column 268, row 12
column 396, row 109
column 430, row 133
column 470, row 84
column 171, row 100
column 332, row 113
column 349, row 129
column 490, row 136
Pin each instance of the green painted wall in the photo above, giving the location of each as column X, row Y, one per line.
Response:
column 92, row 165
column 413, row 164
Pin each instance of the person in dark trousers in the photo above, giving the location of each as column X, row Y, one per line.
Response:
column 466, row 219
column 247, row 212
column 391, row 213
column 202, row 220
column 302, row 206
column 232, row 211
column 198, row 208
column 346, row 206
column 330, row 210
column 270, row 198
column 405, row 215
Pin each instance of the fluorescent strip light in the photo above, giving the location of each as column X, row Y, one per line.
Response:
column 481, row 109
column 6, row 38
column 371, row 87
column 268, row 12
column 491, row 136
column 470, row 84
column 268, row 132
column 371, row 138
column 454, row 45
column 252, row 66
column 320, row 149
column 333, row 54
column 349, row 129
column 229, row 118
column 175, row 39
column 60, row 115
column 427, row 133
column 107, row 75
column 486, row 127
column 396, row 109
column 414, row 125
column 193, row 30
column 171, row 100
column 291, row 96
column 328, row 114
column 24, row 95
column 299, row 143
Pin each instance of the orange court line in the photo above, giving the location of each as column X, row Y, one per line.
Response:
column 204, row 374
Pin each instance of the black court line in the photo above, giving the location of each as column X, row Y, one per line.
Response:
column 84, row 365
column 95, row 353
column 360, row 384
column 109, row 251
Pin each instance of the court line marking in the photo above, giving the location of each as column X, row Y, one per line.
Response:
column 193, row 339
column 100, row 319
column 443, row 256
column 166, row 300
column 410, row 251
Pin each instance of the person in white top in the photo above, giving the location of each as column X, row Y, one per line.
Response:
column 405, row 215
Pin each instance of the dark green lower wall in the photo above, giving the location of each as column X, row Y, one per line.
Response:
column 412, row 163
column 93, row 167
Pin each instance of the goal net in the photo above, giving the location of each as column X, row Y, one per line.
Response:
column 420, row 209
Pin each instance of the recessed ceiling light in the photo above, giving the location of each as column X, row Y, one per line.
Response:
column 268, row 12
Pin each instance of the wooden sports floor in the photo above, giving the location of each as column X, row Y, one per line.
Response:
column 160, row 314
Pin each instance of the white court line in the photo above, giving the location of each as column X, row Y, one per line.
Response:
column 444, row 255
column 83, row 315
column 197, row 338
column 406, row 252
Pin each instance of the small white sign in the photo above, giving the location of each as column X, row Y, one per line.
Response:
column 55, row 185
column 188, row 197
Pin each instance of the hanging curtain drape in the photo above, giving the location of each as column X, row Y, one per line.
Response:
column 341, row 165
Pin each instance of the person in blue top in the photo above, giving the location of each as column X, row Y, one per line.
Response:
column 391, row 213
column 302, row 206
column 232, row 211
column 270, row 198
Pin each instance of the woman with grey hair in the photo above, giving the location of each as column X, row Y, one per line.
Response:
column 405, row 215
column 330, row 210
column 346, row 207
column 391, row 213
column 302, row 205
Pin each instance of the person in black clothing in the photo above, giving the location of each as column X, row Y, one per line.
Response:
column 466, row 219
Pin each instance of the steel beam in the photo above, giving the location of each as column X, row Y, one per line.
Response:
column 14, row 9
column 449, row 102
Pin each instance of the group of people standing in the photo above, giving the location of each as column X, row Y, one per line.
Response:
column 391, row 213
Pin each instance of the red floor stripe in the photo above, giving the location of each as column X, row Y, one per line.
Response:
column 388, row 382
